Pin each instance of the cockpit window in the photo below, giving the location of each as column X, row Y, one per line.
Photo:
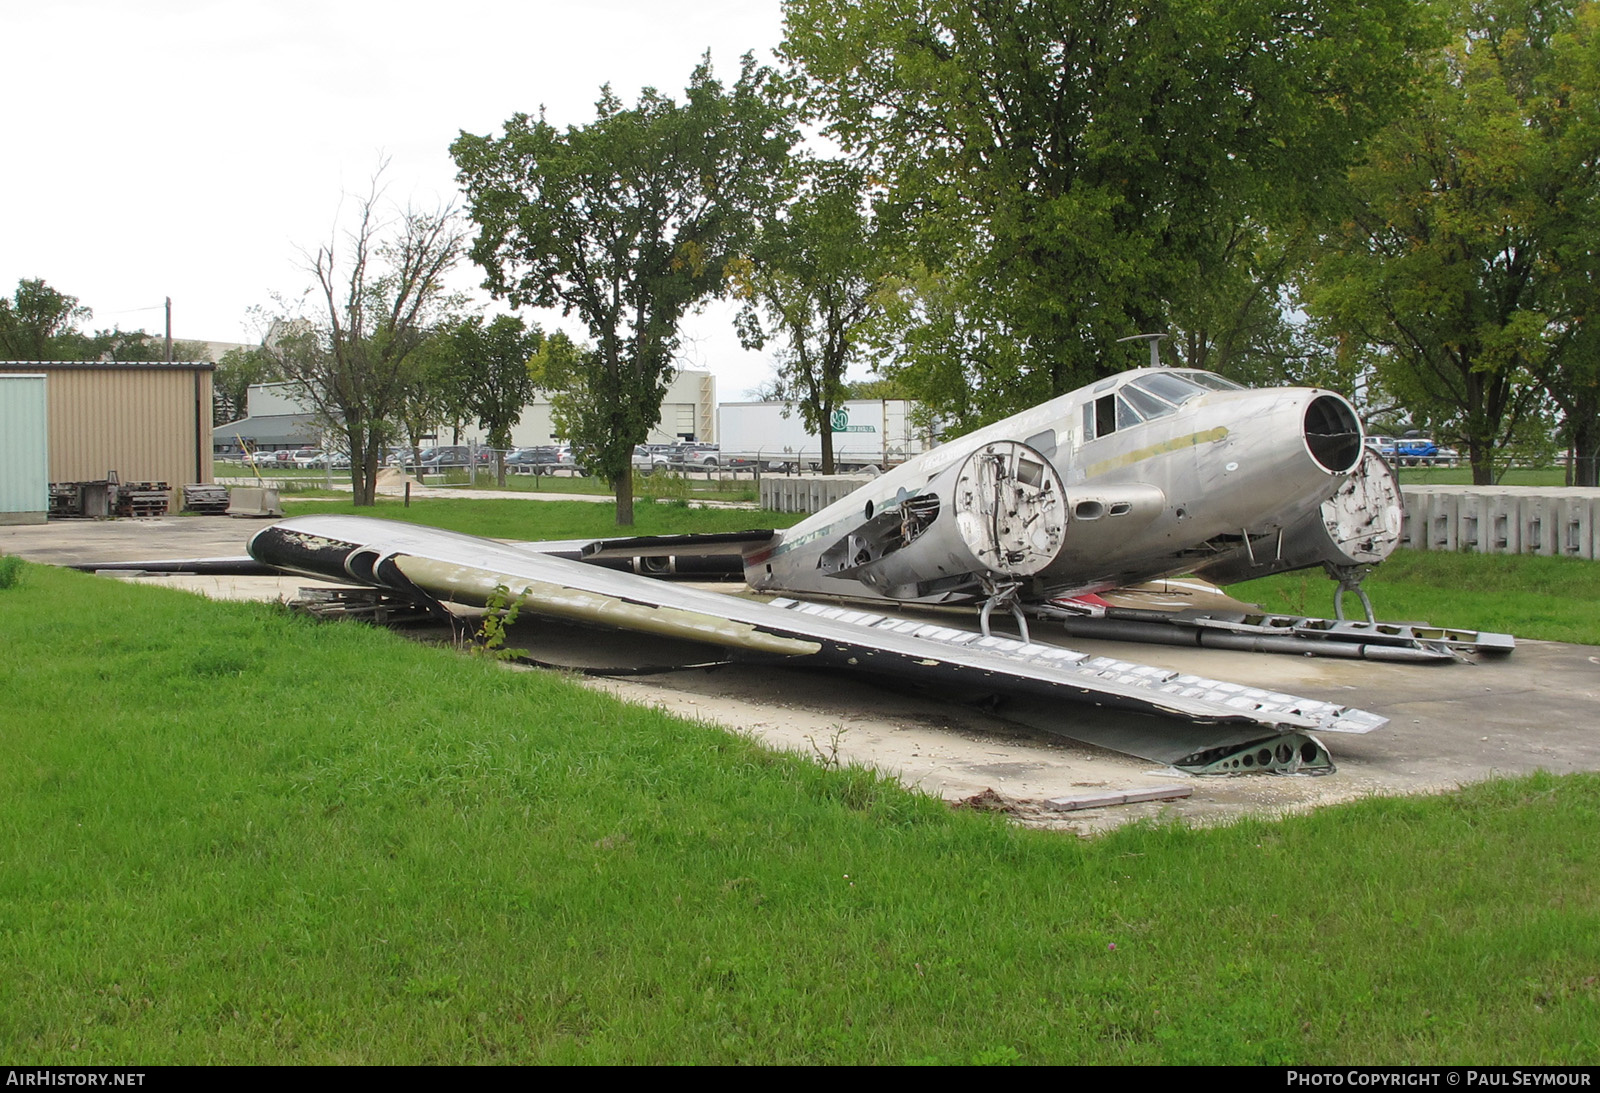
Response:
column 1170, row 386
column 1150, row 396
column 1148, row 405
column 1213, row 381
column 1126, row 414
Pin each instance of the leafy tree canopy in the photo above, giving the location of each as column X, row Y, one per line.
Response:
column 1463, row 270
column 489, row 367
column 1068, row 172
column 627, row 221
column 38, row 323
column 811, row 287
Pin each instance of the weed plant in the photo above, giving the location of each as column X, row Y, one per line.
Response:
column 229, row 834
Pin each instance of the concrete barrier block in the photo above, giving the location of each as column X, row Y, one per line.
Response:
column 805, row 493
column 1541, row 522
column 1502, row 524
column 1442, row 528
column 1472, row 533
column 1414, row 525
column 1575, row 526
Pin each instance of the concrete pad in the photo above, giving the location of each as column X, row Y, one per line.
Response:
column 1450, row 724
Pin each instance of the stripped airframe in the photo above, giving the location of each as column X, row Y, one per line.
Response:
column 1148, row 474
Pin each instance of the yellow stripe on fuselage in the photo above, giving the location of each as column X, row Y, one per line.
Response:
column 1139, row 455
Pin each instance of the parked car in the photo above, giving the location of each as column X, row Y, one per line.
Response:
column 450, row 455
column 696, row 454
column 648, row 458
column 569, row 459
column 1413, row 450
column 539, row 459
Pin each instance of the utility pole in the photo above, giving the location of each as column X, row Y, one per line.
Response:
column 169, row 329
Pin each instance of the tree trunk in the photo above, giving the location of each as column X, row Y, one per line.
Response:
column 624, row 488
column 1586, row 443
column 1481, row 456
column 356, row 439
column 827, row 439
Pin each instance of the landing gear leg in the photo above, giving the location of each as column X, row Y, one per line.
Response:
column 1350, row 578
column 1002, row 596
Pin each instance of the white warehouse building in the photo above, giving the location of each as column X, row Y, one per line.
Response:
column 277, row 417
column 688, row 412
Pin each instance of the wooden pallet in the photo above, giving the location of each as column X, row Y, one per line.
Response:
column 208, row 500
column 142, row 499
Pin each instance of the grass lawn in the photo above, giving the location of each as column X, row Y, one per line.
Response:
column 1462, row 476
column 228, row 834
column 508, row 518
column 1553, row 599
column 659, row 486
column 662, row 484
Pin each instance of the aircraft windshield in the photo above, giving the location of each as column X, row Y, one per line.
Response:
column 1169, row 387
column 1150, row 396
column 1148, row 405
column 1213, row 381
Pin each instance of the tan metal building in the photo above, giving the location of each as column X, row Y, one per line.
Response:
column 148, row 422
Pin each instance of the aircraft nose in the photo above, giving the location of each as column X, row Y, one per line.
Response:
column 1332, row 433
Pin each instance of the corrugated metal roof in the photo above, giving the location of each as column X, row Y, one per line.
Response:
column 107, row 366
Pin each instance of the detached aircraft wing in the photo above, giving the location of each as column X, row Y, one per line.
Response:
column 1211, row 725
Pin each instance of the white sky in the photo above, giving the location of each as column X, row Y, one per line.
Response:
column 189, row 149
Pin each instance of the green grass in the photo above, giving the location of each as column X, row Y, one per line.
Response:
column 1462, row 476
column 1553, row 599
column 658, row 485
column 509, row 518
column 231, row 835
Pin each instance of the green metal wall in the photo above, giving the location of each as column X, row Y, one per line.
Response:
column 24, row 450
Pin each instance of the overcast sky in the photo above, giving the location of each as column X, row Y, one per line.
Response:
column 189, row 149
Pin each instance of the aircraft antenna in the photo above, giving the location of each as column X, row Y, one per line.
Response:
column 1155, row 342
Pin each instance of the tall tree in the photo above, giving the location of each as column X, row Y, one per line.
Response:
column 1566, row 114
column 381, row 288
column 629, row 221
column 811, row 285
column 490, row 369
column 36, row 321
column 1070, row 170
column 431, row 396
column 237, row 372
column 1464, row 264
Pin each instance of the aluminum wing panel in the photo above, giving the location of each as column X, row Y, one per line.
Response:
column 451, row 567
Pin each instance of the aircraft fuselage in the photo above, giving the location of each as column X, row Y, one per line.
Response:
column 1145, row 474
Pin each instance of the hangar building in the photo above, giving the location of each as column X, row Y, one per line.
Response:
column 145, row 421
